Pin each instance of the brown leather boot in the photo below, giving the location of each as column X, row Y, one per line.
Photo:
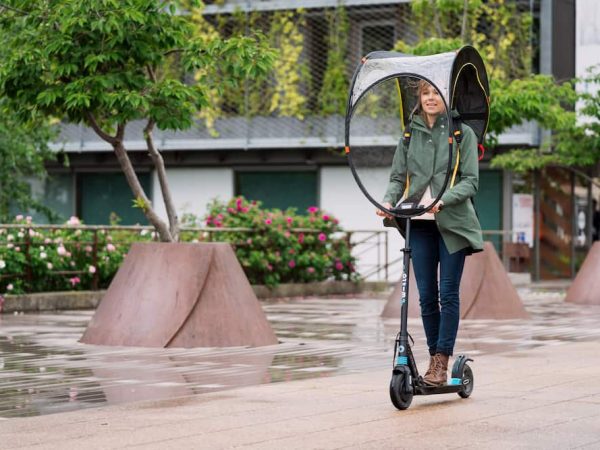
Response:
column 438, row 375
column 431, row 365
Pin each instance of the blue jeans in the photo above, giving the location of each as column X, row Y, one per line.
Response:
column 429, row 250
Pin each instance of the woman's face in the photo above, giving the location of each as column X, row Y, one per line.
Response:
column 431, row 101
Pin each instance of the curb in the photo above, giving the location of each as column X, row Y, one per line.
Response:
column 74, row 300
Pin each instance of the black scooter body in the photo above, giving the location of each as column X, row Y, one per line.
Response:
column 406, row 381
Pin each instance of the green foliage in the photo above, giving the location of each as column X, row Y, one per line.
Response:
column 445, row 25
column 60, row 260
column 109, row 59
column 575, row 142
column 289, row 71
column 281, row 247
column 334, row 91
column 276, row 252
column 23, row 151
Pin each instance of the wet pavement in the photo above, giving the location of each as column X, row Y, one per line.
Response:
column 44, row 370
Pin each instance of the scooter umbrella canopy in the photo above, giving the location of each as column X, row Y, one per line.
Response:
column 383, row 99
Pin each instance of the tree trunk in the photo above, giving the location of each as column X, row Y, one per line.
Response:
column 132, row 180
column 138, row 192
column 159, row 164
column 463, row 28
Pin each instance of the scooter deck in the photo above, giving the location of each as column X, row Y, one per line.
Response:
column 443, row 389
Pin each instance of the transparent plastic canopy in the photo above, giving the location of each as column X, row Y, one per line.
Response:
column 383, row 98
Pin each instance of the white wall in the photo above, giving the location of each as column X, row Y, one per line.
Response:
column 340, row 195
column 587, row 39
column 193, row 188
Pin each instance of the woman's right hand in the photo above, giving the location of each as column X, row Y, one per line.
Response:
column 381, row 213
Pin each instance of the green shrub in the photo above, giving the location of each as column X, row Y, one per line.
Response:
column 283, row 247
column 276, row 247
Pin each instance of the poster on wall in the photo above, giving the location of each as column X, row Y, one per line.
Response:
column 522, row 218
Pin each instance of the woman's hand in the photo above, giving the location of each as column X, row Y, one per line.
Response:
column 381, row 213
column 437, row 207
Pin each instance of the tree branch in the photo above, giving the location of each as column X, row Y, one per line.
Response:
column 159, row 164
column 138, row 192
column 11, row 8
column 151, row 73
column 99, row 131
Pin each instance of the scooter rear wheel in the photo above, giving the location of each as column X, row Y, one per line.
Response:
column 467, row 382
column 400, row 398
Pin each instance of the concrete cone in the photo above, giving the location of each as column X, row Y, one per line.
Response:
column 585, row 288
column 180, row 295
column 486, row 292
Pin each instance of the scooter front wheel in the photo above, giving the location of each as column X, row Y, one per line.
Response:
column 401, row 399
column 467, row 382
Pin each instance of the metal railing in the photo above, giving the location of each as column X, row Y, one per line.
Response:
column 369, row 247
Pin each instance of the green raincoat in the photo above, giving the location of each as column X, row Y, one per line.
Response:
column 426, row 162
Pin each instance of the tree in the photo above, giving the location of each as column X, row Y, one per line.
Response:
column 109, row 62
column 575, row 143
column 23, row 151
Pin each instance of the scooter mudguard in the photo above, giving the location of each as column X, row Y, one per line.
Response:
column 457, row 369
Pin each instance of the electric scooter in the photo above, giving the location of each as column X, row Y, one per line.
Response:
column 406, row 381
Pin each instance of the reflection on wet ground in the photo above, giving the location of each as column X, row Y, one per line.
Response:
column 43, row 369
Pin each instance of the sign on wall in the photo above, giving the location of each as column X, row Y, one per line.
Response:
column 522, row 218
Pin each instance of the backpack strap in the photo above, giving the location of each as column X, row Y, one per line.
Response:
column 458, row 135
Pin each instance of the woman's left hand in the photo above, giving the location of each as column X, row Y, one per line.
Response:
column 437, row 207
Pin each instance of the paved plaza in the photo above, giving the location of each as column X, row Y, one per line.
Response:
column 323, row 386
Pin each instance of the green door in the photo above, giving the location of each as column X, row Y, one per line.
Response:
column 106, row 195
column 289, row 189
column 488, row 203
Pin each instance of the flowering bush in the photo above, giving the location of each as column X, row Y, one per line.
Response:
column 284, row 247
column 37, row 260
column 281, row 247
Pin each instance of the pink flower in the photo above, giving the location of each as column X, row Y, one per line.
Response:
column 88, row 248
column 289, row 220
column 73, row 221
column 245, row 209
column 313, row 209
column 9, row 287
column 268, row 221
column 325, row 217
column 291, row 251
column 310, row 270
column 91, row 269
column 301, row 238
column 61, row 250
column 110, row 248
column 74, row 281
column 270, row 267
column 19, row 217
column 231, row 210
column 336, row 221
column 287, row 234
column 50, row 266
column 47, row 241
column 339, row 265
column 28, row 219
column 249, row 241
column 292, row 264
column 322, row 237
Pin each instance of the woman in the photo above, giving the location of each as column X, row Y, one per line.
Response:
column 449, row 232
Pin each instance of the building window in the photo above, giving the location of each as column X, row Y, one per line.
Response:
column 377, row 36
column 285, row 189
column 106, row 197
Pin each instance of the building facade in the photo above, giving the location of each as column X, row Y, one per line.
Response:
column 286, row 152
